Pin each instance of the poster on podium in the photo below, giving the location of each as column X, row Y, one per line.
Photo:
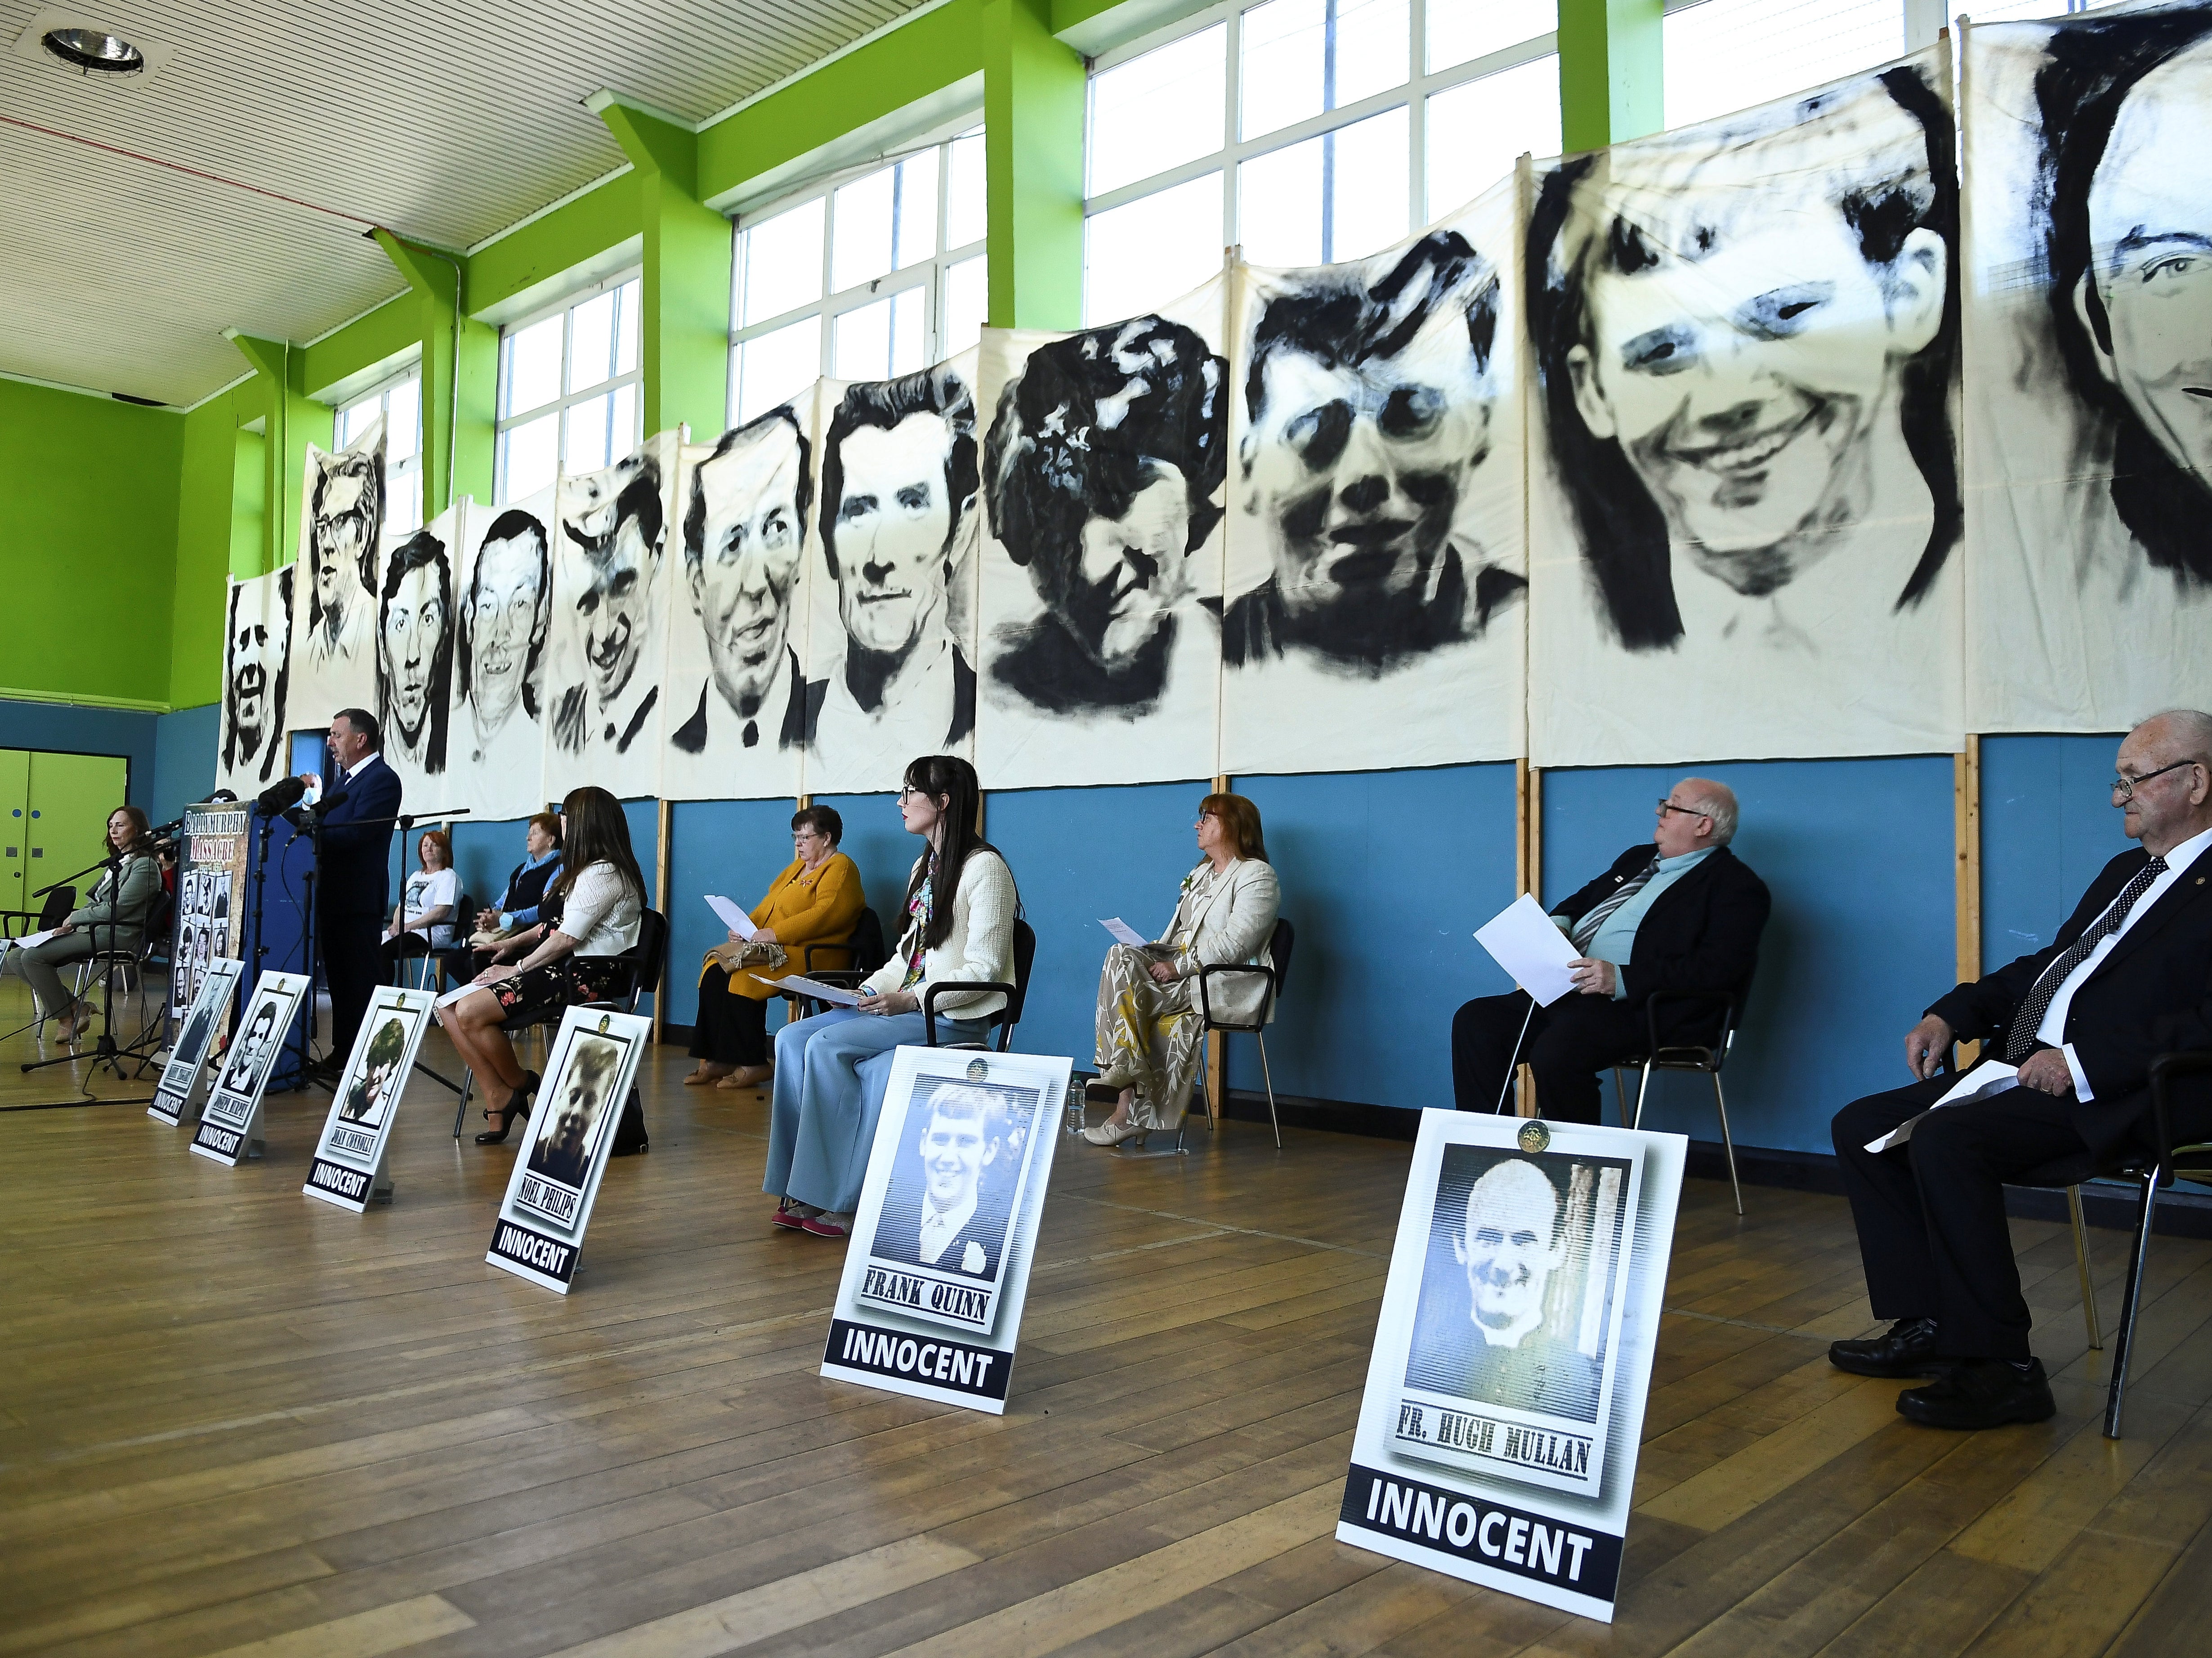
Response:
column 230, row 1127
column 1497, row 1437
column 196, row 1042
column 349, row 1166
column 939, row 1264
column 540, row 1231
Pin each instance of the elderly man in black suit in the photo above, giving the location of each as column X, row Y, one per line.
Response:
column 2129, row 977
column 1677, row 913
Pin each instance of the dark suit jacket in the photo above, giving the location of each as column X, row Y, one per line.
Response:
column 1702, row 933
column 2151, row 995
column 357, row 867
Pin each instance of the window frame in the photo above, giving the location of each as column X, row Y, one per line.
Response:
column 412, row 466
column 1414, row 92
column 564, row 308
column 828, row 306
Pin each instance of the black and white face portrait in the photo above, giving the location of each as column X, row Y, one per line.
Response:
column 1735, row 327
column 415, row 651
column 256, row 1043
column 344, row 514
column 1509, row 1246
column 509, row 607
column 572, row 1109
column 619, row 533
column 745, row 532
column 256, row 671
column 964, row 1136
column 378, row 1079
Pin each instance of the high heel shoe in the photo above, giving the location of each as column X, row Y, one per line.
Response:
column 1107, row 1133
column 517, row 1107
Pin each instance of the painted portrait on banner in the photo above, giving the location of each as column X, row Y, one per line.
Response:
column 415, row 634
column 334, row 613
column 1746, row 344
column 1103, row 470
column 2089, row 367
column 610, row 602
column 504, row 587
column 257, row 671
column 1375, row 562
column 741, row 710
column 891, row 638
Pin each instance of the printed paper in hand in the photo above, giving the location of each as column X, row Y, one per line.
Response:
column 30, row 940
column 732, row 917
column 1524, row 941
column 836, row 995
column 1984, row 1082
column 1123, row 933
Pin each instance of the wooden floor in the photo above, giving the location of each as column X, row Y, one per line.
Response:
column 236, row 1420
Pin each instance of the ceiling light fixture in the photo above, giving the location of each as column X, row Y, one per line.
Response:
column 96, row 52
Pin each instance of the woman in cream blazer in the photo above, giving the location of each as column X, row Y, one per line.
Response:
column 831, row 1070
column 1150, row 1018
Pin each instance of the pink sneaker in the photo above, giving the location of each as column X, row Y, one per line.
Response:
column 823, row 1227
column 789, row 1214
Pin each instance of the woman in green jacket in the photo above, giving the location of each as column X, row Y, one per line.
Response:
column 114, row 918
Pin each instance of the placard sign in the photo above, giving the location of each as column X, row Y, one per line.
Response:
column 196, row 1041
column 540, row 1229
column 210, row 888
column 348, row 1166
column 1505, row 1396
column 939, row 1264
column 230, row 1127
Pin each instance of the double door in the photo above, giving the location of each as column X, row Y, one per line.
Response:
column 54, row 817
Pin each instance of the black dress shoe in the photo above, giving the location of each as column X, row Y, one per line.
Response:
column 1981, row 1392
column 1908, row 1349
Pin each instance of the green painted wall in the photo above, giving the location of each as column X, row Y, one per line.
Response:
column 1611, row 86
column 87, row 529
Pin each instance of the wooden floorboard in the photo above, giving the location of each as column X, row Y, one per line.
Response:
column 237, row 1421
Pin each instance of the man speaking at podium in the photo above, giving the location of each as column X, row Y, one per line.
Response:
column 354, row 891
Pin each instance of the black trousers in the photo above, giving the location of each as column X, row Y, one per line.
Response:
column 1930, row 1214
column 404, row 947
column 731, row 1030
column 1567, row 1045
column 353, row 961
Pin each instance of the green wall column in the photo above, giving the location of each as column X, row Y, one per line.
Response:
column 457, row 434
column 685, row 340
column 1033, row 109
column 294, row 420
column 1612, row 85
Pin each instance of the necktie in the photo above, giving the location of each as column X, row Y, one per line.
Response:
column 1587, row 929
column 2020, row 1038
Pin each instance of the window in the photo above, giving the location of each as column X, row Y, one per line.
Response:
column 399, row 401
column 874, row 277
column 1306, row 131
column 568, row 390
column 1726, row 55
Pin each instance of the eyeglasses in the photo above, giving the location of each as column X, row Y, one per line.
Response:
column 1667, row 805
column 907, row 791
column 2125, row 787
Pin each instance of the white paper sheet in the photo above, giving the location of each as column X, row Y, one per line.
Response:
column 28, row 941
column 732, row 917
column 1123, row 933
column 837, row 995
column 1986, row 1081
column 456, row 994
column 1528, row 945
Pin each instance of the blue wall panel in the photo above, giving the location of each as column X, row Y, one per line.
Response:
column 61, row 728
column 734, row 847
column 1858, row 856
column 2048, row 826
column 184, row 759
column 1386, row 875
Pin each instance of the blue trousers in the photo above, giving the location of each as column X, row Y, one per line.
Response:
column 830, row 1074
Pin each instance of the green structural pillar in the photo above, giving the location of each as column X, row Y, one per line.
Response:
column 686, row 309
column 295, row 420
column 456, row 353
column 1033, row 102
column 1611, row 81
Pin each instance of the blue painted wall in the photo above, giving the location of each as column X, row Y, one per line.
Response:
column 2048, row 826
column 734, row 847
column 62, row 728
column 184, row 759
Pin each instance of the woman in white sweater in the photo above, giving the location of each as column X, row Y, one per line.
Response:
column 831, row 1070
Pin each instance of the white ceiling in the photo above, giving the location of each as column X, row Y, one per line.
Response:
column 445, row 121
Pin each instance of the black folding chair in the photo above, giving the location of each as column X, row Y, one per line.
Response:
column 440, row 961
column 1016, row 994
column 1708, row 1058
column 864, row 951
column 1279, row 947
column 48, row 916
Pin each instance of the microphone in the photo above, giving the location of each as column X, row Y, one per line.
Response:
column 163, row 831
column 280, row 796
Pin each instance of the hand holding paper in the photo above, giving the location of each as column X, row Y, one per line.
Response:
column 1984, row 1082
column 836, row 995
column 1521, row 939
column 732, row 917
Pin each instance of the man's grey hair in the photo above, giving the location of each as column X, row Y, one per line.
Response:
column 1718, row 802
column 2191, row 729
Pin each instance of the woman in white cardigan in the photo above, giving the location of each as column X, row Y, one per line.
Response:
column 831, row 1070
column 1149, row 1022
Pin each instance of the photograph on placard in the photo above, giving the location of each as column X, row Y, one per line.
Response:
column 1104, row 468
column 1745, row 506
column 234, row 1100
column 739, row 622
column 949, row 1206
column 573, row 1108
column 335, row 600
column 197, row 1038
column 505, row 584
column 257, row 673
column 611, row 601
column 2089, row 366
column 415, row 635
column 890, row 637
column 1375, row 567
column 260, row 1034
column 364, row 1109
column 374, row 1084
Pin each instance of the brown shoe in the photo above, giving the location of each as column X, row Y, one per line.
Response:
column 706, row 1072
column 749, row 1076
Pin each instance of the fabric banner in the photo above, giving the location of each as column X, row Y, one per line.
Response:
column 1745, row 506
column 415, row 649
column 611, row 589
column 891, row 636
column 257, row 673
column 503, row 587
column 740, row 710
column 334, row 610
column 2089, row 365
column 1104, row 471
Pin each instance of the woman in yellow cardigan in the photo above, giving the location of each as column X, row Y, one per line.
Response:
column 816, row 899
